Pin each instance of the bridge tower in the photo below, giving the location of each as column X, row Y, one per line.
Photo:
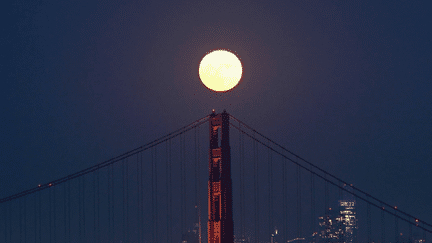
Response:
column 220, row 223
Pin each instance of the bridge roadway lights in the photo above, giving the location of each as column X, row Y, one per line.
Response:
column 220, row 223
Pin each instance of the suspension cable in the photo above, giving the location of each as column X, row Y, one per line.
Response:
column 98, row 166
column 333, row 176
column 335, row 184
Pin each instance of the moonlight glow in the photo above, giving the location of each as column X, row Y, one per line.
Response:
column 220, row 70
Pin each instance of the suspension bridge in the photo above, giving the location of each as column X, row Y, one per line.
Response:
column 158, row 192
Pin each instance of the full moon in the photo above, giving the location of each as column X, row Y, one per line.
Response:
column 220, row 70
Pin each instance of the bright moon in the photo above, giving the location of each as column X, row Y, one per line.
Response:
column 220, row 70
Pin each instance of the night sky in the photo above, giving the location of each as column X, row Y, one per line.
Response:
column 345, row 84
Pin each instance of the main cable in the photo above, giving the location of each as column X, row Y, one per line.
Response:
column 331, row 175
column 118, row 158
column 331, row 182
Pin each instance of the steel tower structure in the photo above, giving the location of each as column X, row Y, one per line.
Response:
column 220, row 223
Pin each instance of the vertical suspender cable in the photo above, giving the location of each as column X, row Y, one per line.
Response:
column 10, row 218
column 98, row 206
column 113, row 203
column 167, row 193
column 199, row 187
column 369, row 226
column 284, row 200
column 4, row 220
column 142, row 200
column 83, row 208
column 256, row 185
column 170, row 192
column 35, row 218
column 40, row 217
column 25, row 219
column 64, row 213
column 69, row 212
column 153, row 195
column 49, row 215
column 181, row 185
column 54, row 215
column 127, row 200
column 396, row 228
column 20, row 219
column 243, row 186
column 299, row 202
column 410, row 239
column 79, row 210
column 124, row 202
column 111, row 192
column 196, row 176
column 156, row 202
column 269, row 191
column 110, row 238
column 94, row 206
column 326, row 196
column 241, row 192
column 138, row 198
column 183, row 148
column 312, row 202
column 382, row 225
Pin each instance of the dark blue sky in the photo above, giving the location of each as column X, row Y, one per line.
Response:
column 347, row 85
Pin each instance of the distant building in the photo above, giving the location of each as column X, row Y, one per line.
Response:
column 331, row 228
column 348, row 219
column 340, row 225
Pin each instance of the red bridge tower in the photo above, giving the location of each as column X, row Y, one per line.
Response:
column 220, row 224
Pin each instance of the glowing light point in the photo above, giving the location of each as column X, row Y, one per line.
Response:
column 220, row 70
